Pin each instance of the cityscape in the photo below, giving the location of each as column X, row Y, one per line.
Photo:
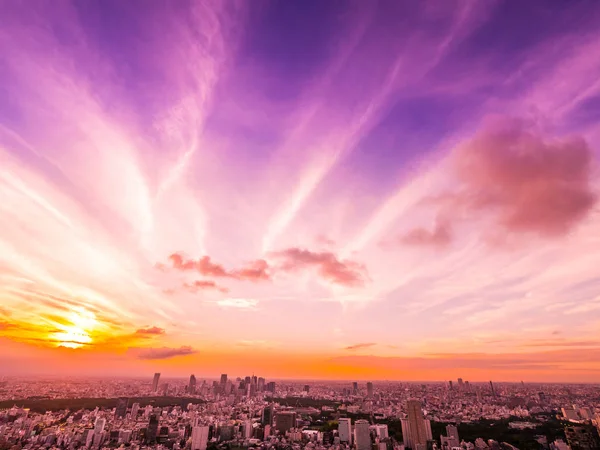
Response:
column 299, row 224
column 253, row 412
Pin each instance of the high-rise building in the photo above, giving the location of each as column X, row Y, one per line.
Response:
column 247, row 429
column 121, row 408
column 199, row 437
column 285, row 421
column 152, row 430
column 492, row 388
column 267, row 415
column 362, row 436
column 369, row 389
column 460, row 384
column 192, row 384
column 451, row 439
column 381, row 430
column 345, row 429
column 415, row 429
column 271, row 386
column 354, row 388
column 99, row 425
column 155, row 382
column 261, row 384
column 306, row 388
column 135, row 408
column 450, row 384
column 223, row 379
column 452, row 431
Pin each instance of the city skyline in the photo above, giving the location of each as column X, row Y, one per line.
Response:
column 336, row 191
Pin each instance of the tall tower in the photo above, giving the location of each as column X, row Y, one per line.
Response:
column 362, row 436
column 492, row 388
column 155, row 382
column 192, row 385
column 345, row 429
column 354, row 388
column 121, row 409
column 267, row 415
column 152, row 430
column 417, row 426
column 369, row 389
column 199, row 438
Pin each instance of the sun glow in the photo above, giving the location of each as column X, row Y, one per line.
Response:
column 77, row 334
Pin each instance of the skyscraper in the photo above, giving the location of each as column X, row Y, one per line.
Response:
column 415, row 429
column 99, row 425
column 267, row 415
column 362, row 436
column 450, row 384
column 192, row 384
column 369, row 389
column 135, row 408
column 354, row 388
column 121, row 408
column 223, row 379
column 99, row 431
column 451, row 439
column 152, row 430
column 460, row 384
column 285, row 421
column 345, row 429
column 155, row 382
column 381, row 429
column 492, row 388
column 199, row 438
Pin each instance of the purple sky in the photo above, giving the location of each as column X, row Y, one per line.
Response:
column 360, row 180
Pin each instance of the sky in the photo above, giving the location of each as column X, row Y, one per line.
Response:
column 349, row 190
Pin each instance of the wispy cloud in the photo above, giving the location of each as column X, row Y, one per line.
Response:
column 360, row 346
column 151, row 331
column 241, row 303
column 162, row 352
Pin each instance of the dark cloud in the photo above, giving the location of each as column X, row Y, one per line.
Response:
column 162, row 353
column 346, row 273
column 360, row 346
column 151, row 331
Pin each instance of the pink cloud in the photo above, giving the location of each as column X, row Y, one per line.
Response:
column 156, row 331
column 530, row 184
column 255, row 271
column 204, row 284
column 439, row 236
column 347, row 273
column 203, row 265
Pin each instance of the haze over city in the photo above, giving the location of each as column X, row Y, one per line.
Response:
column 360, row 190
